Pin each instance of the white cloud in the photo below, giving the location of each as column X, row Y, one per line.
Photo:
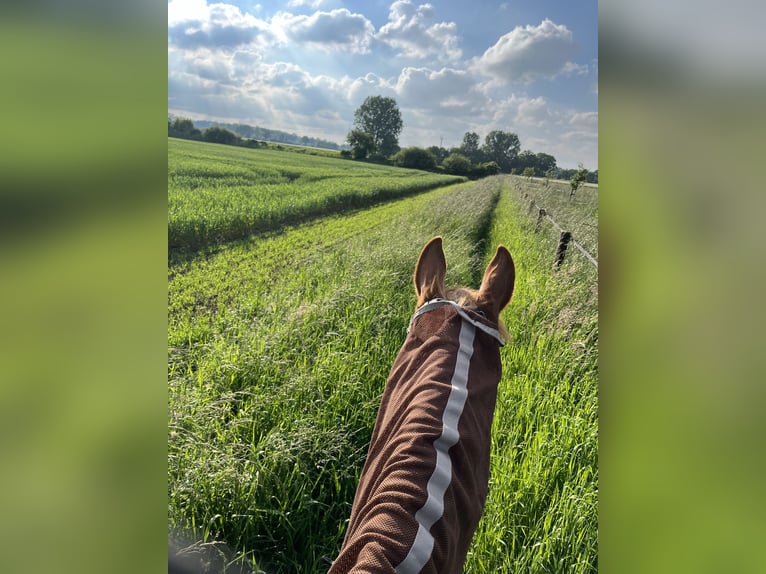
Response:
column 411, row 30
column 571, row 69
column 186, row 10
column 530, row 52
column 193, row 24
column 447, row 90
column 310, row 3
column 584, row 120
column 355, row 91
column 533, row 112
column 335, row 30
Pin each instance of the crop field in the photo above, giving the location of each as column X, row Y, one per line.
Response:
column 218, row 193
column 279, row 346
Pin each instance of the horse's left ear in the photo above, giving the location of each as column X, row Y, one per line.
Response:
column 430, row 271
column 497, row 285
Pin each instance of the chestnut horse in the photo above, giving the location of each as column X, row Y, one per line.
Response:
column 424, row 483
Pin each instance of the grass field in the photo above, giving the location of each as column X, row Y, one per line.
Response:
column 279, row 346
column 217, row 193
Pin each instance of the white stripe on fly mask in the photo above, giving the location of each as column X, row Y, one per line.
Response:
column 433, row 509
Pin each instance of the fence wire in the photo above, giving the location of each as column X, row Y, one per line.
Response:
column 575, row 211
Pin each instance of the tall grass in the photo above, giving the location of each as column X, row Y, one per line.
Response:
column 578, row 214
column 217, row 193
column 279, row 348
column 541, row 511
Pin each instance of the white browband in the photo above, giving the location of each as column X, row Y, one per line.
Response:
column 436, row 303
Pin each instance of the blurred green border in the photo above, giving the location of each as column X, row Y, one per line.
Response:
column 83, row 295
column 681, row 275
column 83, row 230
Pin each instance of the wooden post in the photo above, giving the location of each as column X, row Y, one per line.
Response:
column 564, row 239
column 540, row 216
column 531, row 205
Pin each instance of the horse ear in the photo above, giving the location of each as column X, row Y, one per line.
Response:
column 497, row 285
column 430, row 271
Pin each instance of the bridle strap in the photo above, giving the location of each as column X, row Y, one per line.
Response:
column 436, row 303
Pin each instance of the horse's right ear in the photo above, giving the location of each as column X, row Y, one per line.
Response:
column 497, row 285
column 430, row 271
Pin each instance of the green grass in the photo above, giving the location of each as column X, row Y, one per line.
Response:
column 578, row 215
column 541, row 512
column 279, row 349
column 217, row 193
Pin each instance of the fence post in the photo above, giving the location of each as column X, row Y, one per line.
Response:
column 564, row 239
column 531, row 205
column 540, row 216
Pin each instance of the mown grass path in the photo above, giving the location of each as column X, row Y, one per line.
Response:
column 279, row 348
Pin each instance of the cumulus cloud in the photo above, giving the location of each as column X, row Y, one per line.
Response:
column 208, row 67
column 336, row 30
column 194, row 24
column 446, row 90
column 413, row 32
column 370, row 84
column 533, row 112
column 530, row 52
column 260, row 92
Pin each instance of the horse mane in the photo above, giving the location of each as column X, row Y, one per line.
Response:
column 468, row 299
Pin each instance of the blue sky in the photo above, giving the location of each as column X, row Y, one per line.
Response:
column 305, row 66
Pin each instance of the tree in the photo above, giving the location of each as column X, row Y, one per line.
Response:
column 361, row 144
column 577, row 179
column 529, row 172
column 480, row 170
column 525, row 160
column 457, row 164
column 380, row 117
column 183, row 128
column 540, row 162
column 545, row 164
column 502, row 148
column 489, row 168
column 470, row 147
column 215, row 134
column 415, row 158
column 439, row 153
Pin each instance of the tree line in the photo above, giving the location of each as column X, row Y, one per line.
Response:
column 184, row 128
column 375, row 137
column 240, row 134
